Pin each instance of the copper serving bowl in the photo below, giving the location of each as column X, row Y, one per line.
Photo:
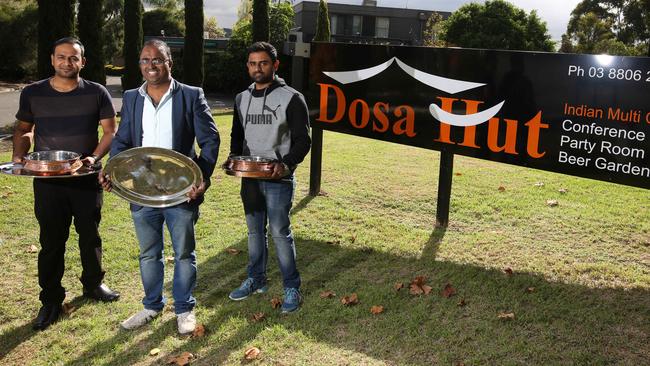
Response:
column 53, row 162
column 249, row 166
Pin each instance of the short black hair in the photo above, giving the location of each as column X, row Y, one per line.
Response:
column 161, row 45
column 68, row 40
column 263, row 47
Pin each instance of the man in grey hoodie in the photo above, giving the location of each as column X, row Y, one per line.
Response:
column 270, row 120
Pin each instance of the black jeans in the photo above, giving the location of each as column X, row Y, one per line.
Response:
column 56, row 202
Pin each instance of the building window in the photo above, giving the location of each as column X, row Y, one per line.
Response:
column 381, row 27
column 357, row 23
column 334, row 22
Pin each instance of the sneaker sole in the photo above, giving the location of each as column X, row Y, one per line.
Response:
column 258, row 291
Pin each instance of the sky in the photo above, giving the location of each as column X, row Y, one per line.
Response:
column 554, row 12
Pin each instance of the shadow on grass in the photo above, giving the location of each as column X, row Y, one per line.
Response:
column 13, row 337
column 554, row 323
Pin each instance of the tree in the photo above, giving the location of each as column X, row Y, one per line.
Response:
column 280, row 23
column 496, row 24
column 433, row 31
column 193, row 50
column 169, row 21
column 212, row 27
column 113, row 29
column 322, row 23
column 132, row 42
column 19, row 35
column 90, row 27
column 55, row 21
column 609, row 26
column 260, row 20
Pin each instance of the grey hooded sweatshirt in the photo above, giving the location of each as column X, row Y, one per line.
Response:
column 271, row 122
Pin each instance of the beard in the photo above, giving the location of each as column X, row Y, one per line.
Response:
column 262, row 78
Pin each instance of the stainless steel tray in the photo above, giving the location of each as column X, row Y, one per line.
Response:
column 152, row 176
column 17, row 169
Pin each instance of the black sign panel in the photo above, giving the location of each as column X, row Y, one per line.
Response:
column 582, row 115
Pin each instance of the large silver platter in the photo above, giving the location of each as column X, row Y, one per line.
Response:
column 18, row 170
column 152, row 176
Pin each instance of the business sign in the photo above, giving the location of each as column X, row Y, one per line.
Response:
column 583, row 115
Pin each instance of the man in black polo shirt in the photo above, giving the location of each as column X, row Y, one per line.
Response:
column 62, row 113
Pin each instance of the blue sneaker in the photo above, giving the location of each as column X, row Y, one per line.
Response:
column 247, row 288
column 292, row 300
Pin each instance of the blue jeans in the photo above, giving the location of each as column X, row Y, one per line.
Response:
column 180, row 221
column 269, row 201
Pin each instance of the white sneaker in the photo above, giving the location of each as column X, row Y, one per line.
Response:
column 186, row 322
column 139, row 319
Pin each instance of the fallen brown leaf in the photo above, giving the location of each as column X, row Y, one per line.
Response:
column 353, row 238
column 169, row 259
column 530, row 289
column 327, row 294
column 199, row 331
column 458, row 174
column 323, row 193
column 32, row 249
column 418, row 287
column 415, row 289
column 276, row 302
column 257, row 317
column 508, row 271
column 233, row 251
column 462, row 303
column 563, row 190
column 552, row 203
column 68, row 308
column 252, row 353
column 502, row 188
column 506, row 316
column 350, row 300
column 154, row 351
column 377, row 309
column 448, row 291
column 426, row 289
column 181, row 360
column 398, row 286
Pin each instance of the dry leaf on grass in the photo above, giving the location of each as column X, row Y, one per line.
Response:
column 506, row 316
column 458, row 174
column 350, row 300
column 327, row 294
column 539, row 184
column 199, row 331
column 418, row 286
column 552, row 203
column 276, row 302
column 461, row 303
column 252, row 353
column 398, row 286
column 68, row 308
column 508, row 271
column 448, row 291
column 353, row 238
column 530, row 289
column 169, row 259
column 233, row 251
column 6, row 195
column 502, row 188
column 180, row 360
column 377, row 309
column 32, row 249
column 563, row 190
column 257, row 317
column 154, row 351
column 323, row 193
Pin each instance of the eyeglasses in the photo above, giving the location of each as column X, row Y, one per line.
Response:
column 153, row 61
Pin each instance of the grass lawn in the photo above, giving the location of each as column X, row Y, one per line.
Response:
column 579, row 292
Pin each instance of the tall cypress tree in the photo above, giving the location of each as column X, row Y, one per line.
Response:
column 55, row 21
column 322, row 23
column 261, row 20
column 91, row 21
column 193, row 49
column 132, row 77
